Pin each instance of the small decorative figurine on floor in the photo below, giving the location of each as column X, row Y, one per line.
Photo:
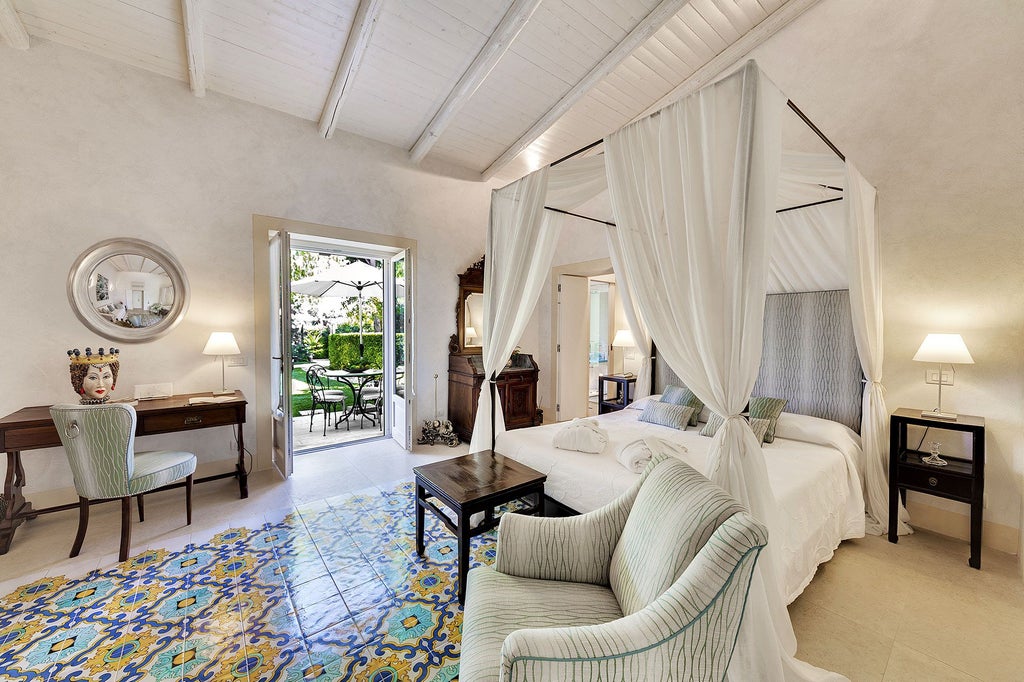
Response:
column 438, row 430
column 94, row 375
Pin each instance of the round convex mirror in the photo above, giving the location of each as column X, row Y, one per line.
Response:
column 128, row 290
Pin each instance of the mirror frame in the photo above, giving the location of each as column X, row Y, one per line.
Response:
column 470, row 282
column 85, row 309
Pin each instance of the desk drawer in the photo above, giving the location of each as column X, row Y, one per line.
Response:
column 30, row 438
column 936, row 481
column 183, row 421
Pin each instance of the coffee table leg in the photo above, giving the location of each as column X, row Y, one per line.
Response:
column 463, row 534
column 420, row 495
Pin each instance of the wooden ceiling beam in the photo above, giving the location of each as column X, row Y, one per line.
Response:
column 706, row 74
column 11, row 28
column 192, row 24
column 355, row 48
column 497, row 45
column 640, row 34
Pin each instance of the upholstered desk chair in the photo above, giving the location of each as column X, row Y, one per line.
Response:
column 650, row 587
column 99, row 441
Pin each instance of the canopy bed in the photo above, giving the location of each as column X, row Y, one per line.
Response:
column 708, row 217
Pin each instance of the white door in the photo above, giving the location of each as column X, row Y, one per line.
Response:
column 573, row 347
column 280, row 352
column 398, row 342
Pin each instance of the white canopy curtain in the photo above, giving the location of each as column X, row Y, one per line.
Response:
column 693, row 190
column 641, row 335
column 520, row 246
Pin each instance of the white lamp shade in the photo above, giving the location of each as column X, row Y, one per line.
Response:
column 623, row 338
column 470, row 332
column 221, row 343
column 944, row 348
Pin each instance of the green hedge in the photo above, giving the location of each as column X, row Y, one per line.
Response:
column 343, row 351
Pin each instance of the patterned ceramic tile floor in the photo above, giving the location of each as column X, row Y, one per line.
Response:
column 333, row 591
column 254, row 603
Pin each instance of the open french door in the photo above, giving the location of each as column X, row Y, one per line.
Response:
column 280, row 352
column 397, row 358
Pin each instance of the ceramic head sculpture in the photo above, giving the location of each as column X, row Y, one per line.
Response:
column 94, row 375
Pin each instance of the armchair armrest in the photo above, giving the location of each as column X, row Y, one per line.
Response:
column 575, row 549
column 688, row 632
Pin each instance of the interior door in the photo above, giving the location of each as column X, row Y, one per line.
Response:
column 573, row 347
column 399, row 341
column 280, row 352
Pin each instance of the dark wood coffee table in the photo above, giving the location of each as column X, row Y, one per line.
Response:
column 477, row 482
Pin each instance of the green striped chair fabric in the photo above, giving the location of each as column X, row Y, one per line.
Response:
column 649, row 587
column 99, row 441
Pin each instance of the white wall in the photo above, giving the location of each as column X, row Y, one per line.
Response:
column 90, row 149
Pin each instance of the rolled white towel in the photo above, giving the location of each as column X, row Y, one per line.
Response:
column 581, row 435
column 636, row 455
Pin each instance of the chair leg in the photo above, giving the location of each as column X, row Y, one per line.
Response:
column 142, row 511
column 188, row 499
column 312, row 411
column 126, row 527
column 326, row 409
column 83, row 524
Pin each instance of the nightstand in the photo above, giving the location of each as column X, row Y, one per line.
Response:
column 625, row 388
column 961, row 479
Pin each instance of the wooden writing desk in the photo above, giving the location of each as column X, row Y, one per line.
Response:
column 31, row 428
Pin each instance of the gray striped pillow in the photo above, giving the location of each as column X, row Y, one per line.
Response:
column 770, row 409
column 667, row 414
column 680, row 395
column 758, row 426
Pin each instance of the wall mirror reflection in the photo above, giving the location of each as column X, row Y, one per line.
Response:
column 474, row 319
column 128, row 290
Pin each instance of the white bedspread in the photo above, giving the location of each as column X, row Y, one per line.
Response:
column 818, row 486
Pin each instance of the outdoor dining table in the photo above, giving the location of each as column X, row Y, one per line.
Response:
column 356, row 381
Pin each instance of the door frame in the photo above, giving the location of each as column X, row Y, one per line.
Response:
column 590, row 268
column 262, row 225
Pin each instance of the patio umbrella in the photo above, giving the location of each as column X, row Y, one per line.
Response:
column 345, row 282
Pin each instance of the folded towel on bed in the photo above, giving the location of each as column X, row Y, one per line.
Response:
column 635, row 456
column 582, row 435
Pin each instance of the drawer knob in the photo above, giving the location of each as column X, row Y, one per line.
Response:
column 189, row 421
column 932, row 481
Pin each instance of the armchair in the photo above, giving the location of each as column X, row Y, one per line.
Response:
column 652, row 587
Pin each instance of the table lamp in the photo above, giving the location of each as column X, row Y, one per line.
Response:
column 943, row 348
column 222, row 343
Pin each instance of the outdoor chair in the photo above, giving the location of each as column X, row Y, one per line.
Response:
column 328, row 399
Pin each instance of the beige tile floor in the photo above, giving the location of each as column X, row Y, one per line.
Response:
column 876, row 611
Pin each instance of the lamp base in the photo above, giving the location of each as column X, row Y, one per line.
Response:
column 231, row 391
column 935, row 414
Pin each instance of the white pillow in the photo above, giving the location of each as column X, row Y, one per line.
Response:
column 641, row 403
column 815, row 430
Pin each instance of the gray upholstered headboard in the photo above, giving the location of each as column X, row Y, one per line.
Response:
column 809, row 358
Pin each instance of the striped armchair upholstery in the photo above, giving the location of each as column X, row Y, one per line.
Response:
column 649, row 587
column 99, row 441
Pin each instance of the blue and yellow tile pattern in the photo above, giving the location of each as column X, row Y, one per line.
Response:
column 335, row 591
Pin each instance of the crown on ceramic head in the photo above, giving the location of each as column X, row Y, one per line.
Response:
column 100, row 357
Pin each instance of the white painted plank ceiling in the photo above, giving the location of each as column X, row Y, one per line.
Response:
column 284, row 54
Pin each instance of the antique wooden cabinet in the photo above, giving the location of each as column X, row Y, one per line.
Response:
column 517, row 386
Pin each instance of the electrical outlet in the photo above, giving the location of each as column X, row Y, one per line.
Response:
column 931, row 376
column 238, row 361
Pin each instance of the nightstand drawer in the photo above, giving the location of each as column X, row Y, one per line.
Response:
column 936, row 481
